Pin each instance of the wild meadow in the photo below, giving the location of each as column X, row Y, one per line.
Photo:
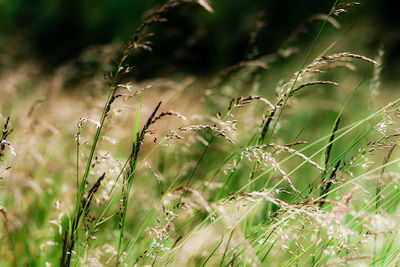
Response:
column 288, row 158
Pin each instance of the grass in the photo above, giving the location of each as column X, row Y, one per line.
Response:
column 304, row 173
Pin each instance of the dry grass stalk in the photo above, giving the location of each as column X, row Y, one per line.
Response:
column 346, row 55
column 331, row 65
column 295, row 152
column 161, row 234
column 160, row 178
column 3, row 141
column 155, row 17
column 255, row 196
column 313, row 83
column 213, row 128
column 382, row 143
column 278, row 148
column 340, row 8
column 205, row 4
column 241, row 101
column 128, row 178
column 317, row 66
column 198, row 198
column 289, row 93
column 347, row 260
column 259, row 153
column 168, row 113
column 3, row 144
column 88, row 199
column 305, row 85
column 172, row 135
column 295, row 143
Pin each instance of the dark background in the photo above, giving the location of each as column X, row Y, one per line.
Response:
column 193, row 39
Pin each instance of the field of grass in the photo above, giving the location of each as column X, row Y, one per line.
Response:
column 284, row 159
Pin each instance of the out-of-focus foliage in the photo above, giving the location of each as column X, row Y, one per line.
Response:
column 197, row 41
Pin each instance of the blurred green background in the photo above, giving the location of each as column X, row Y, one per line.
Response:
column 193, row 39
